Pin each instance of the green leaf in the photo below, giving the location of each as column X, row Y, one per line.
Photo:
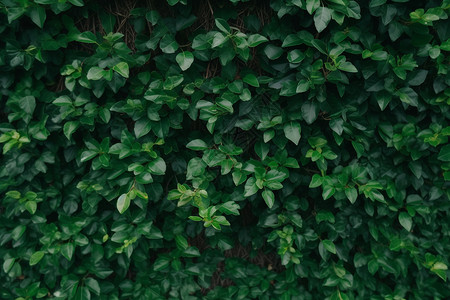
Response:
column 329, row 246
column 310, row 111
column 261, row 149
column 351, row 194
column 296, row 56
column 316, row 181
column 292, row 131
column 31, row 207
column 268, row 197
column 161, row 263
column 18, row 232
column 238, row 178
column 70, row 127
column 8, row 264
column 184, row 60
column 322, row 17
column 38, row 15
column 273, row 52
column 95, row 73
column 250, row 187
column 92, row 285
column 440, row 269
column 86, row 37
column 230, row 208
column 251, row 80
column 302, row 86
column 359, row 148
column 181, row 242
column 312, row 5
column 168, row 44
column 67, row 250
column 222, row 25
column 28, row 104
column 36, row 257
column 219, row 40
column 353, row 10
column 197, row 145
column 405, row 220
column 347, row 67
column 79, row 3
column 325, row 216
column 157, row 166
column 88, row 155
column 256, row 39
column 292, row 40
column 444, row 153
column 142, row 127
column 123, row 203
column 375, row 3
column 328, row 191
column 122, row 69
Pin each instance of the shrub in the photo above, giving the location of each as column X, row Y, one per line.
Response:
column 181, row 149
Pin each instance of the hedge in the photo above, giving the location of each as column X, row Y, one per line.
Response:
column 179, row 149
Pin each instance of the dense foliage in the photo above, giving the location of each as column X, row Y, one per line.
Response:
column 283, row 149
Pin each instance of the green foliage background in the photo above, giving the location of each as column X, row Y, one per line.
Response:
column 291, row 149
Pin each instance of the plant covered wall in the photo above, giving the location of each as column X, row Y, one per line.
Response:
column 284, row 149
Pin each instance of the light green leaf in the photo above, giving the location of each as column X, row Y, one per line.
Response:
column 95, row 73
column 142, row 127
column 256, row 39
column 316, row 181
column 230, row 208
column 329, row 246
column 31, row 207
column 405, row 220
column 310, row 111
column 36, row 257
column 292, row 131
column 67, row 250
column 184, row 60
column 322, row 17
column 302, row 86
column 88, row 155
column 8, row 264
column 70, row 127
column 168, row 44
column 122, row 68
column 328, row 191
column 296, row 56
column 312, row 5
column 268, row 197
column 351, row 194
column 347, row 67
column 222, row 25
column 158, row 166
column 250, row 187
column 197, row 145
column 123, row 203
column 219, row 40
